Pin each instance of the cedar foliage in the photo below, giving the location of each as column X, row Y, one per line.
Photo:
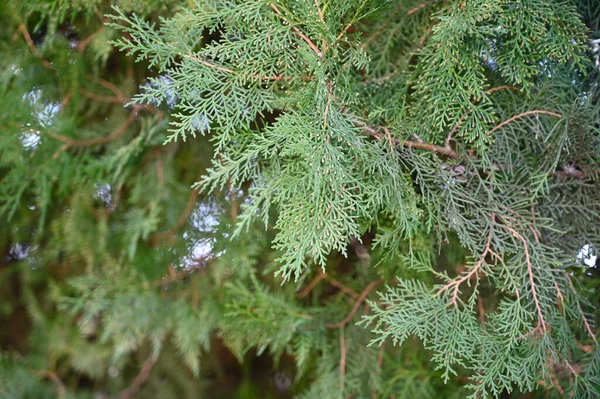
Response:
column 389, row 198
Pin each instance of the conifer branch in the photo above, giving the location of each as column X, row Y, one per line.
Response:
column 69, row 143
column 82, row 45
column 185, row 214
column 33, row 47
column 357, row 304
column 533, row 112
column 530, row 272
column 487, row 251
column 322, row 275
column 585, row 322
column 411, row 144
column 60, row 385
column 140, row 379
column 299, row 32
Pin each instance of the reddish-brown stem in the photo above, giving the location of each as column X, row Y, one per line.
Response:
column 531, row 278
column 140, row 379
column 85, row 42
column 417, row 8
column 185, row 214
column 412, row 144
column 533, row 112
column 32, row 46
column 585, row 322
column 343, row 350
column 299, row 33
column 321, row 16
column 357, row 304
column 112, row 87
column 52, row 376
column 456, row 283
column 342, row 287
column 313, row 283
column 90, row 142
column 323, row 276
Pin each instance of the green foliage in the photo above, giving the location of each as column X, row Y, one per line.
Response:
column 445, row 150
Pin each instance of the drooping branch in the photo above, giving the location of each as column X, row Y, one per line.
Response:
column 487, row 251
column 521, row 115
column 357, row 304
column 299, row 32
column 140, row 379
column 530, row 272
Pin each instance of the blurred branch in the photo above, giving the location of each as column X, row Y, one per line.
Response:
column 140, row 379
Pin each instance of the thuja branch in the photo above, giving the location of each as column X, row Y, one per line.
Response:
column 357, row 304
column 446, row 150
column 299, row 32
column 530, row 272
column 487, row 251
column 533, row 112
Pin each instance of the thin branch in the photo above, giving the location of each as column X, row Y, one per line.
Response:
column 417, row 8
column 112, row 87
column 85, row 42
column 32, row 46
column 185, row 214
column 99, row 140
column 530, row 271
column 493, row 89
column 52, row 376
column 389, row 137
column 99, row 98
column 357, row 304
column 585, row 322
column 456, row 283
column 140, row 379
column 342, row 287
column 299, row 33
column 312, row 284
column 321, row 16
column 411, row 144
column 343, row 350
column 533, row 112
column 324, row 276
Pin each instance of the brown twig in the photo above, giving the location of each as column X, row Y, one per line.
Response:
column 324, row 276
column 343, row 351
column 299, row 33
column 82, row 45
column 389, row 137
column 530, row 271
column 140, row 379
column 112, row 87
column 521, row 115
column 329, row 99
column 313, row 283
column 52, row 376
column 493, row 89
column 357, row 304
column 342, row 287
column 65, row 101
column 99, row 98
column 417, row 8
column 32, row 46
column 185, row 214
column 69, row 143
column 411, row 144
column 456, row 283
column 585, row 322
column 321, row 16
